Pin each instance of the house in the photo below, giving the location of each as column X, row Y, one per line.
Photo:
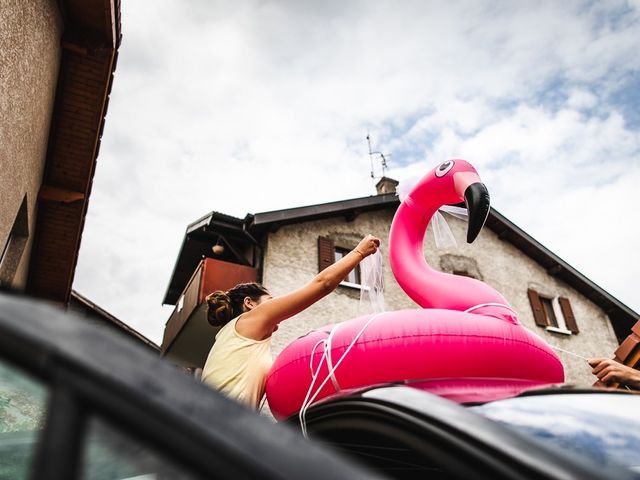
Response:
column 284, row 249
column 58, row 59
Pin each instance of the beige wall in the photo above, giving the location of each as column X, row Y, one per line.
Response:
column 292, row 259
column 30, row 32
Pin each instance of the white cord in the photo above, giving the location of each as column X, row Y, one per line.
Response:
column 475, row 307
column 568, row 352
column 308, row 401
column 313, row 351
column 327, row 348
column 314, row 375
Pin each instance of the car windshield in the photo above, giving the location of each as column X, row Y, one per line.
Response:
column 599, row 427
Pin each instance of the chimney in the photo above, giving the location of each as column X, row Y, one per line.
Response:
column 386, row 185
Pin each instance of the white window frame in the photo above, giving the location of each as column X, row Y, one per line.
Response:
column 562, row 324
column 355, row 286
column 344, row 283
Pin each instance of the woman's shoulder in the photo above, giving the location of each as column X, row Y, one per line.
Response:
column 240, row 333
column 228, row 328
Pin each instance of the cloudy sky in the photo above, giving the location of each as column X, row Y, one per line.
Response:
column 246, row 107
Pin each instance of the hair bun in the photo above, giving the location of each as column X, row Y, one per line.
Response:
column 219, row 309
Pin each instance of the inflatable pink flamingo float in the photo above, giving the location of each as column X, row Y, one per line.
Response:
column 465, row 343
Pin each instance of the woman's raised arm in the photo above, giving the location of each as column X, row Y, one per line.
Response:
column 261, row 321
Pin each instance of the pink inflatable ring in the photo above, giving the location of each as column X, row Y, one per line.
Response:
column 466, row 342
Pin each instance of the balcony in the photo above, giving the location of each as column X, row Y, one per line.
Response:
column 188, row 337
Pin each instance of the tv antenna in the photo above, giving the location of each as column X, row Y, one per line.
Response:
column 378, row 155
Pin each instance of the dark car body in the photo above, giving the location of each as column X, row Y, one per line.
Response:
column 79, row 401
column 547, row 433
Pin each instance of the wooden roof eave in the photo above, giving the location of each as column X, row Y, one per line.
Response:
column 197, row 240
column 89, row 53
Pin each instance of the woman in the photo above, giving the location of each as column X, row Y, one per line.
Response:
column 240, row 358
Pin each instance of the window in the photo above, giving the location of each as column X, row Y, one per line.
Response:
column 22, row 407
column 603, row 427
column 14, row 245
column 329, row 253
column 462, row 273
column 110, row 454
column 553, row 313
column 547, row 307
column 4, row 250
column 460, row 265
column 354, row 275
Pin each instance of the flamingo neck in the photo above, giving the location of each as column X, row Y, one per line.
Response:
column 406, row 238
column 424, row 285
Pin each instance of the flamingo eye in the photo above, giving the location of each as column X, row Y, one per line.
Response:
column 444, row 168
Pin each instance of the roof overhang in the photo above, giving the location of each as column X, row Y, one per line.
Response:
column 349, row 209
column 89, row 51
column 200, row 236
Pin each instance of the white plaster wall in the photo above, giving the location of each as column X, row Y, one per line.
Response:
column 291, row 260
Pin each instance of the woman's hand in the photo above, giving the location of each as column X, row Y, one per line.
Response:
column 610, row 371
column 368, row 246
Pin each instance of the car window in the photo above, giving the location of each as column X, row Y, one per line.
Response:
column 112, row 454
column 22, row 415
column 601, row 428
column 395, row 446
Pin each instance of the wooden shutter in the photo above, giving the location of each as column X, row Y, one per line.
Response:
column 326, row 253
column 567, row 313
column 538, row 311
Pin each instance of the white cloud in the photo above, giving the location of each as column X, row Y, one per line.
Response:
column 580, row 99
column 243, row 107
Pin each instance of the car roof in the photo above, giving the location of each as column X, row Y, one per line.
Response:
column 120, row 380
column 476, row 391
column 400, row 402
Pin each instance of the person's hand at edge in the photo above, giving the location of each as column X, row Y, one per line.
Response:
column 610, row 371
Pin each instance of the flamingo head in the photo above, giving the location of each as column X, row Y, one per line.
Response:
column 453, row 182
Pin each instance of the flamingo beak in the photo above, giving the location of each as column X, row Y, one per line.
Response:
column 476, row 198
